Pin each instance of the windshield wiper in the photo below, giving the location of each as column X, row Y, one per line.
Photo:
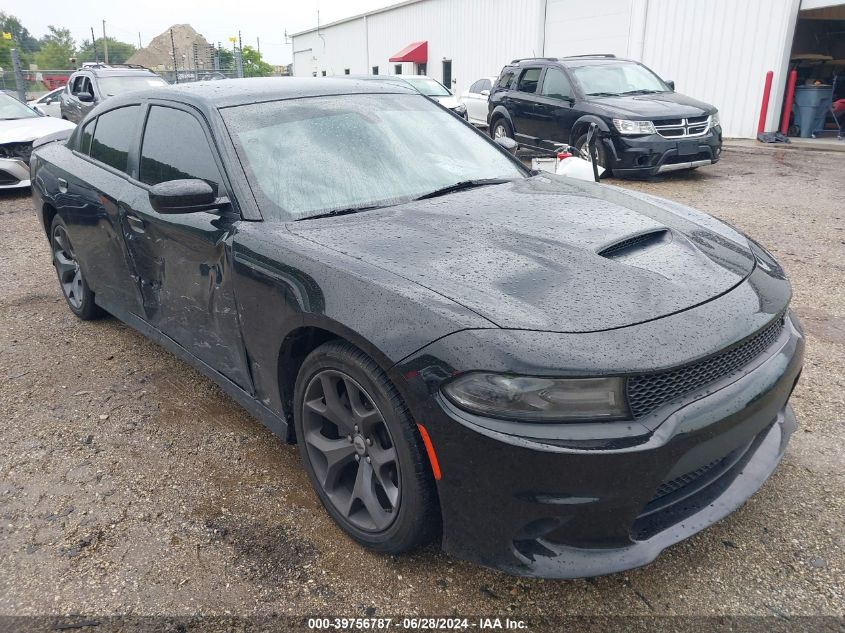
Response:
column 602, row 94
column 460, row 186
column 642, row 91
column 334, row 212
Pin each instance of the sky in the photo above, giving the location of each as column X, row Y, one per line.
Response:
column 215, row 19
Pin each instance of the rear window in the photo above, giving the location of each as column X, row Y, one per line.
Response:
column 528, row 80
column 114, row 135
column 506, row 79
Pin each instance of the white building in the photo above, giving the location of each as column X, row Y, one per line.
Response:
column 715, row 50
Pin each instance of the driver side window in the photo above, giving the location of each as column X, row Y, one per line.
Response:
column 556, row 85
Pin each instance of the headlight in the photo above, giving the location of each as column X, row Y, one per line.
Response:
column 624, row 126
column 714, row 119
column 538, row 399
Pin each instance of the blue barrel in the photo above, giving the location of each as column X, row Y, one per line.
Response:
column 811, row 105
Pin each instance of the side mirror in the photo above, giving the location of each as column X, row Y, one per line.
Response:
column 671, row 84
column 184, row 196
column 484, row 93
column 507, row 143
column 87, row 97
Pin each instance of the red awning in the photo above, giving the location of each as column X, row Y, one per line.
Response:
column 416, row 52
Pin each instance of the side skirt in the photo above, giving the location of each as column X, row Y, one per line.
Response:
column 277, row 424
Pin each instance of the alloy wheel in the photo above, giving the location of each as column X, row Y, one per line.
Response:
column 67, row 268
column 499, row 131
column 351, row 450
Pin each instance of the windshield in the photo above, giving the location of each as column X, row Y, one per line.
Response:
column 619, row 78
column 428, row 87
column 11, row 108
column 111, row 86
column 306, row 157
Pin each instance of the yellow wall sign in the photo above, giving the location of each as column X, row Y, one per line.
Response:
column 7, row 36
column 233, row 39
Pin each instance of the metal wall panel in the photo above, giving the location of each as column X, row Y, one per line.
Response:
column 719, row 51
column 333, row 49
column 579, row 27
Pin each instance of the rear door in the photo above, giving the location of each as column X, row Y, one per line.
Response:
column 183, row 262
column 475, row 99
column 523, row 100
column 90, row 187
column 555, row 108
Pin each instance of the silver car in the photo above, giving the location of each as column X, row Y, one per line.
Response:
column 49, row 103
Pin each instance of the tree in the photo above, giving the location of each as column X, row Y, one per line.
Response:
column 21, row 39
column 57, row 49
column 119, row 51
column 254, row 66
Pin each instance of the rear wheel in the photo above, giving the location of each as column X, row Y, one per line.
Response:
column 362, row 450
column 79, row 297
column 501, row 128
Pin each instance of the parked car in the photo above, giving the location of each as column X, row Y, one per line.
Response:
column 48, row 104
column 94, row 83
column 427, row 86
column 475, row 99
column 20, row 125
column 646, row 128
column 562, row 378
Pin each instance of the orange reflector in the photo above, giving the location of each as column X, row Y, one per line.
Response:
column 429, row 448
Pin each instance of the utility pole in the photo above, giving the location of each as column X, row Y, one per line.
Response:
column 105, row 44
column 173, row 48
column 19, row 83
column 139, row 40
column 94, row 44
column 258, row 45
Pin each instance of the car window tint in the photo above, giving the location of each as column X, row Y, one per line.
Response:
column 528, row 80
column 175, row 147
column 86, row 136
column 485, row 85
column 476, row 87
column 505, row 80
column 114, row 135
column 76, row 86
column 556, row 84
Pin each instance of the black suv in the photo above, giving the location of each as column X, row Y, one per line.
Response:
column 93, row 83
column 645, row 126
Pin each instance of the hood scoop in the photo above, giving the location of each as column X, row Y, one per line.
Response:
column 635, row 244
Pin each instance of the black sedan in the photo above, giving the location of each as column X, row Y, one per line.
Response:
column 561, row 378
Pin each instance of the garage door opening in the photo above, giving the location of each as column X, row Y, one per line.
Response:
column 818, row 59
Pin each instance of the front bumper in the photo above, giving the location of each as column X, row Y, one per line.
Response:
column 650, row 155
column 14, row 173
column 568, row 509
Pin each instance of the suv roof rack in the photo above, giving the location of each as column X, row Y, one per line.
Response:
column 604, row 55
column 525, row 59
column 95, row 65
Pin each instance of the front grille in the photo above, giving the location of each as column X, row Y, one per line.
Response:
column 648, row 392
column 668, row 487
column 682, row 128
column 16, row 150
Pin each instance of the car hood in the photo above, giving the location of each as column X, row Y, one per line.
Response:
column 527, row 254
column 25, row 130
column 663, row 105
column 451, row 102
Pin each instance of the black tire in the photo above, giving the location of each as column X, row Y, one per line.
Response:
column 500, row 122
column 415, row 518
column 581, row 146
column 77, row 294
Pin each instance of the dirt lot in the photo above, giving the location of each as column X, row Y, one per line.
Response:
column 130, row 484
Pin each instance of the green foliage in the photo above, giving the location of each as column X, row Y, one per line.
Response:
column 21, row 39
column 119, row 51
column 57, row 49
column 254, row 66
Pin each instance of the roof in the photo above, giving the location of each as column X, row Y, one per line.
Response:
column 115, row 71
column 358, row 16
column 231, row 92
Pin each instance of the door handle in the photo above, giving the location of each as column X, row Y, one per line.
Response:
column 135, row 223
column 62, row 185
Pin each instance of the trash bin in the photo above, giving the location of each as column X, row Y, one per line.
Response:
column 811, row 103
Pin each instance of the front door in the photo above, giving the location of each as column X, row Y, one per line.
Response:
column 184, row 261
column 555, row 109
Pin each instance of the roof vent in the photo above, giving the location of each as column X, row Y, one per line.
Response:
column 634, row 244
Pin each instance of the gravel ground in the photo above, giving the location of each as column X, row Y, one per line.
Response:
column 129, row 484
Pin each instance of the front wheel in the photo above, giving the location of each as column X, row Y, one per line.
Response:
column 584, row 152
column 79, row 297
column 362, row 450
